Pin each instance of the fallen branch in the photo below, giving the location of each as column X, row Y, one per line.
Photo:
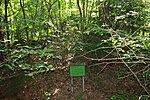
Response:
column 130, row 68
column 102, row 63
column 102, row 59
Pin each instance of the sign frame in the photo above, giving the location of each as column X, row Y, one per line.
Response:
column 77, row 71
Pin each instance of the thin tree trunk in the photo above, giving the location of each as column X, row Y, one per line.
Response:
column 1, row 35
column 106, row 13
column 34, row 18
column 59, row 16
column 81, row 19
column 87, row 5
column 83, row 11
column 90, row 13
column 80, row 11
column 1, row 28
column 6, row 21
column 24, row 17
column 99, row 13
column 41, row 11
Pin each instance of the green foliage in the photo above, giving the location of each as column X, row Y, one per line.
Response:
column 59, row 26
column 86, row 46
column 146, row 77
column 47, row 96
column 80, row 96
column 122, row 72
column 144, row 97
column 127, row 96
column 123, row 96
column 24, row 58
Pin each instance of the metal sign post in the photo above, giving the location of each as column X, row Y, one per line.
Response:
column 72, row 84
column 83, row 83
column 77, row 71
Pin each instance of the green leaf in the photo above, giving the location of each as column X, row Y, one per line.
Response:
column 9, row 66
column 51, row 55
column 51, row 67
column 30, row 74
column 1, row 50
column 48, row 50
column 59, row 57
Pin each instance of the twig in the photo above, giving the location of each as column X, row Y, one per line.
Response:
column 135, row 73
column 102, row 59
column 102, row 69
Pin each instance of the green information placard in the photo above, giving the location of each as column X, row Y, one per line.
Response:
column 77, row 70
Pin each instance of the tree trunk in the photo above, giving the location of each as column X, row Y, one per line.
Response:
column 84, row 12
column 87, row 5
column 24, row 17
column 80, row 11
column 91, row 10
column 81, row 19
column 6, row 21
column 106, row 13
column 59, row 16
column 1, row 35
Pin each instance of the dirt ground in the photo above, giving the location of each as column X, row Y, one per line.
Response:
column 56, row 85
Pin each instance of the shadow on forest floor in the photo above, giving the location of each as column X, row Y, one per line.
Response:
column 56, row 86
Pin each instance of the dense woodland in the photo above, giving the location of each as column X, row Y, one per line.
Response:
column 41, row 37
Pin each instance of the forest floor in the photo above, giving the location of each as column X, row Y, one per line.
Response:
column 56, row 85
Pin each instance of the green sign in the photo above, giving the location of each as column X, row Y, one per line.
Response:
column 77, row 70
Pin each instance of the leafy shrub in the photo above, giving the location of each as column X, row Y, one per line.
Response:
column 31, row 60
